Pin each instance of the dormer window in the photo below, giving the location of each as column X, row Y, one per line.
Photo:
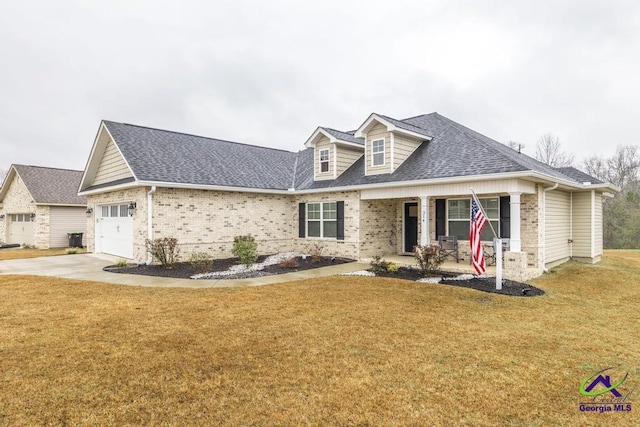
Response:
column 377, row 152
column 324, row 160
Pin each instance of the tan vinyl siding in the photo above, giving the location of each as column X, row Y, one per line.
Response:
column 402, row 148
column 65, row 220
column 379, row 131
column 557, row 226
column 347, row 157
column 597, row 238
column 582, row 225
column 112, row 166
column 323, row 144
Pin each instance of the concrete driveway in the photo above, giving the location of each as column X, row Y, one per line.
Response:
column 89, row 267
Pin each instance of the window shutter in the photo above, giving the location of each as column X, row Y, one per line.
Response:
column 302, row 220
column 441, row 217
column 340, row 220
column 505, row 217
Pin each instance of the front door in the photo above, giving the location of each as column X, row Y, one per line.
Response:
column 410, row 226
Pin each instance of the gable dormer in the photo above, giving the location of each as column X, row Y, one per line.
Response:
column 388, row 143
column 333, row 152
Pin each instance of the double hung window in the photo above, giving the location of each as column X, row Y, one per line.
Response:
column 322, row 220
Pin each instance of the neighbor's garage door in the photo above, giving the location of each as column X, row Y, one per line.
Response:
column 114, row 231
column 20, row 229
column 64, row 220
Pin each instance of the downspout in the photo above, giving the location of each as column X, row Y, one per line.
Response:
column 150, row 220
column 544, row 223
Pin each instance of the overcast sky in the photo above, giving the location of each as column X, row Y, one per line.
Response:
column 270, row 72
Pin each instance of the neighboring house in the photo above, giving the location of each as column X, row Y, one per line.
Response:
column 39, row 206
column 378, row 190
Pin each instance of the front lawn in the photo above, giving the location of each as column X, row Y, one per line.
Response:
column 18, row 253
column 332, row 351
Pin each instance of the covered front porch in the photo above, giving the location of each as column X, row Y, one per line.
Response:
column 409, row 216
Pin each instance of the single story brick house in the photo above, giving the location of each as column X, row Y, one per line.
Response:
column 377, row 190
column 39, row 206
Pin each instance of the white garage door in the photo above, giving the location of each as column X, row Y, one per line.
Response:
column 114, row 231
column 20, row 229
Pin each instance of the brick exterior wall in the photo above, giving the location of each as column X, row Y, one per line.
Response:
column 41, row 227
column 379, row 231
column 530, row 230
column 207, row 221
column 18, row 200
column 350, row 246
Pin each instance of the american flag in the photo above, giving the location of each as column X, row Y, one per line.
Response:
column 478, row 221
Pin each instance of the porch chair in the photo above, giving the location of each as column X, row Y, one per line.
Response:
column 449, row 246
column 490, row 251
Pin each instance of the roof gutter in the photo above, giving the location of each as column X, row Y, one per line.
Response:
column 544, row 223
column 455, row 179
column 150, row 221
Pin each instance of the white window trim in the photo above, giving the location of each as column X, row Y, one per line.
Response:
column 468, row 219
column 321, row 220
column 373, row 164
column 320, row 161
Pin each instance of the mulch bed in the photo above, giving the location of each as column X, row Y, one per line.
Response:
column 484, row 284
column 184, row 270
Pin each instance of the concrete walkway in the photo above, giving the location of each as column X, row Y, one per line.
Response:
column 89, row 267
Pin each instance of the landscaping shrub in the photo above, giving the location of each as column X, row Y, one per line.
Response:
column 380, row 266
column 392, row 267
column 246, row 249
column 289, row 263
column 316, row 250
column 165, row 250
column 201, row 261
column 429, row 258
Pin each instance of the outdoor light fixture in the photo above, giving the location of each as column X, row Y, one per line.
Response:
column 1, row 217
column 89, row 212
column 132, row 207
column 33, row 216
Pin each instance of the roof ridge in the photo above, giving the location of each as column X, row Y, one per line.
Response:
column 295, row 170
column 199, row 136
column 419, row 115
column 46, row 167
column 472, row 134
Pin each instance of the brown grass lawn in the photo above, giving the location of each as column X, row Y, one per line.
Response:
column 17, row 253
column 334, row 351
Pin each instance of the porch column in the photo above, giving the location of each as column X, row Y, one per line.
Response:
column 424, row 221
column 515, row 244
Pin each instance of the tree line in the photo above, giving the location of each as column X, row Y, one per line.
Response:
column 621, row 211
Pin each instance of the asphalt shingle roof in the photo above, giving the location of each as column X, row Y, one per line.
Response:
column 454, row 150
column 344, row 136
column 578, row 175
column 164, row 156
column 403, row 124
column 52, row 186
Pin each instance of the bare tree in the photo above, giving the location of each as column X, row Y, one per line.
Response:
column 622, row 212
column 596, row 166
column 622, row 169
column 549, row 151
column 3, row 173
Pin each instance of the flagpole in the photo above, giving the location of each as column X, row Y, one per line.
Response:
column 497, row 244
column 495, row 235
